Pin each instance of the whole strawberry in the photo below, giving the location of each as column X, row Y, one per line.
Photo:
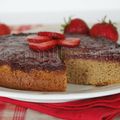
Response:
column 76, row 26
column 104, row 29
column 4, row 29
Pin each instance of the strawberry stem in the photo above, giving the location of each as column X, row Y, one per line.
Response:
column 69, row 19
column 104, row 19
column 110, row 22
column 66, row 22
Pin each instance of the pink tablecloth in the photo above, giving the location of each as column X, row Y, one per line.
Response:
column 12, row 112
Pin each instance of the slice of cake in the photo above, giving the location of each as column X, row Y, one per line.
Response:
column 22, row 68
column 95, row 61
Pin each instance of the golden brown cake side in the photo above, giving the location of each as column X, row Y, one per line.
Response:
column 86, row 71
column 95, row 61
column 33, row 80
column 23, row 68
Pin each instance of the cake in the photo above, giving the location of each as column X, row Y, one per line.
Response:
column 96, row 61
column 22, row 68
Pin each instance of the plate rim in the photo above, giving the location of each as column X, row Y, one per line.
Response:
column 44, row 97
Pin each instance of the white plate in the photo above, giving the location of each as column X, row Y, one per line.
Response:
column 74, row 92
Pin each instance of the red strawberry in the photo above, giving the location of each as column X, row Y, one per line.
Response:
column 69, row 42
column 38, row 39
column 107, row 30
column 42, row 46
column 52, row 35
column 4, row 29
column 76, row 26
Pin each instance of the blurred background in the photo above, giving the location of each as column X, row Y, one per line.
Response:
column 53, row 11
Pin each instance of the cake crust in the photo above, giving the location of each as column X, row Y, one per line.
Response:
column 38, row 80
column 99, row 49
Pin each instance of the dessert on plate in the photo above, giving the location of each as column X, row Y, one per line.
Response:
column 22, row 68
column 95, row 61
column 46, row 61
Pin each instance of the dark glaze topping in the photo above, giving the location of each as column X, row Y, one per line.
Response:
column 14, row 51
column 98, row 49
